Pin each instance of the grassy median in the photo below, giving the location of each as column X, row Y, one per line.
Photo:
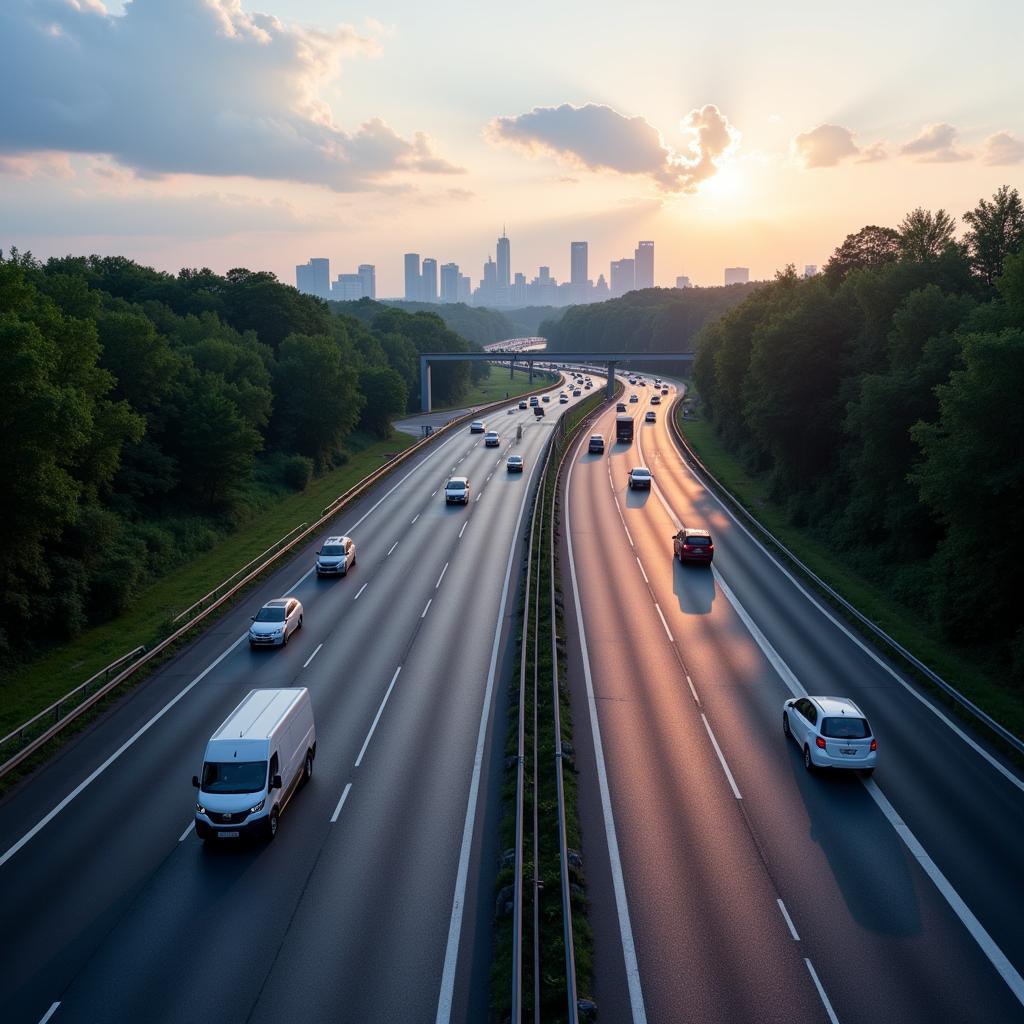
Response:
column 903, row 624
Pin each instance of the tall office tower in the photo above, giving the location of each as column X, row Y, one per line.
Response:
column 683, row 282
column 504, row 261
column 428, row 278
column 623, row 277
column 737, row 275
column 644, row 265
column 465, row 289
column 304, row 280
column 321, row 277
column 347, row 288
column 578, row 271
column 450, row 282
column 368, row 274
column 518, row 293
column 412, row 277
column 810, row 270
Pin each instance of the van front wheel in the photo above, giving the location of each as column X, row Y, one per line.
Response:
column 307, row 770
column 272, row 825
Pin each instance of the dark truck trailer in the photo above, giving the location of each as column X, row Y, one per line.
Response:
column 624, row 429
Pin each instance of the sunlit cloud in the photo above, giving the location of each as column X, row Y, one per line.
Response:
column 37, row 165
column 830, row 144
column 192, row 87
column 596, row 137
column 1003, row 148
column 935, row 144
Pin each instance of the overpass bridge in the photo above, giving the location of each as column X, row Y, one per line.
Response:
column 530, row 356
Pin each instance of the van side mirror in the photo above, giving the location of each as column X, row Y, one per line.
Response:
column 195, row 781
column 252, row 618
column 275, row 782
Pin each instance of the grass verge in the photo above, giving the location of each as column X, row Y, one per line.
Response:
column 499, row 385
column 28, row 690
column 901, row 623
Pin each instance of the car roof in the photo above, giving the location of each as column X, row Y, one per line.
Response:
column 515, row 458
column 694, row 532
column 640, row 469
column 336, row 540
column 838, row 706
column 278, row 602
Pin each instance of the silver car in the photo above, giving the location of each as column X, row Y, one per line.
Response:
column 336, row 557
column 275, row 622
column 832, row 732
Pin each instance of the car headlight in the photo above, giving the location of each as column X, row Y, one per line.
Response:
column 200, row 809
column 258, row 807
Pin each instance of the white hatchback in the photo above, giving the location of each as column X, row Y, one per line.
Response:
column 275, row 622
column 832, row 732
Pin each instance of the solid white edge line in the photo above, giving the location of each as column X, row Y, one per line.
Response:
column 463, row 530
column 642, row 573
column 789, row 920
column 390, row 549
column 985, row 942
column 441, row 577
column 341, row 802
column 973, row 744
column 49, row 1013
column 721, row 757
column 184, row 835
column 480, row 495
column 996, row 956
column 315, row 653
column 434, row 491
column 668, row 632
column 376, row 718
column 821, row 992
column 359, row 591
column 97, row 772
column 446, row 994
column 689, row 683
column 426, row 608
column 636, row 998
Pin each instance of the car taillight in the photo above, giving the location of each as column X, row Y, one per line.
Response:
column 874, row 744
column 687, row 547
column 819, row 742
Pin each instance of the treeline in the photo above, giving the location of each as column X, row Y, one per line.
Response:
column 147, row 413
column 476, row 324
column 651, row 320
column 883, row 401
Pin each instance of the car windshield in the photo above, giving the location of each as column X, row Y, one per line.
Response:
column 456, row 485
column 641, row 472
column 332, row 549
column 845, row 728
column 271, row 614
column 234, row 776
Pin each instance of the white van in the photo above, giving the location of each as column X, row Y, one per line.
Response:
column 254, row 763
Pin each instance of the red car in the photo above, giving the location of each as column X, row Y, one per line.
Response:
column 693, row 546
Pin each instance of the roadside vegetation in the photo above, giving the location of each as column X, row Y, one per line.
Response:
column 150, row 416
column 872, row 417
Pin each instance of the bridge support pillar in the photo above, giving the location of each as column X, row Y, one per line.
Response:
column 531, row 371
column 609, row 392
column 424, row 385
column 511, row 369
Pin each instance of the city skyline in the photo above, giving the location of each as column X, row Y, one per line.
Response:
column 300, row 135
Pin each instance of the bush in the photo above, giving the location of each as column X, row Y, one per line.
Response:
column 296, row 471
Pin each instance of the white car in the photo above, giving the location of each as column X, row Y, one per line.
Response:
column 640, row 479
column 456, row 490
column 563, row 399
column 650, row 416
column 275, row 622
column 832, row 732
column 336, row 557
column 491, row 439
column 477, row 427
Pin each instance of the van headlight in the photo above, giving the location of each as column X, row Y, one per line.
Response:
column 200, row 809
column 258, row 807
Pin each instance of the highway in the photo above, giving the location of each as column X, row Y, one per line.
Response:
column 374, row 902
column 725, row 883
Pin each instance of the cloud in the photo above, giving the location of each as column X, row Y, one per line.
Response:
column 37, row 165
column 935, row 144
column 830, row 144
column 599, row 138
column 190, row 87
column 1003, row 148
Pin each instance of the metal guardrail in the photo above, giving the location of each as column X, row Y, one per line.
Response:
column 147, row 656
column 894, row 645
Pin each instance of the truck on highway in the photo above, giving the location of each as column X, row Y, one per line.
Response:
column 624, row 429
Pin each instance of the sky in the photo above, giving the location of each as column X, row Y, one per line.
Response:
column 260, row 133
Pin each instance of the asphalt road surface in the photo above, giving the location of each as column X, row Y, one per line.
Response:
column 726, row 883
column 374, row 901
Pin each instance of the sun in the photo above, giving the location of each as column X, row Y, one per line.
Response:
column 728, row 183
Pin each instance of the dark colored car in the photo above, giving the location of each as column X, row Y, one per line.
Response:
column 620, row 407
column 691, row 545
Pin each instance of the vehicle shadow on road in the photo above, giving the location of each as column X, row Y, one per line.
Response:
column 636, row 498
column 694, row 587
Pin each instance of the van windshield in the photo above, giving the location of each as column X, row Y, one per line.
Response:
column 234, row 776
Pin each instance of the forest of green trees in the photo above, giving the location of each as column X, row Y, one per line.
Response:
column 884, row 400
column 145, row 413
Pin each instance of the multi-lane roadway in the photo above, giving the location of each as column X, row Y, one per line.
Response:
column 374, row 901
column 726, row 883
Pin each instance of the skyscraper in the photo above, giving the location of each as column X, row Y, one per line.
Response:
column 450, row 282
column 737, row 275
column 347, row 288
column 644, row 265
column 428, row 281
column 412, row 277
column 368, row 274
column 465, row 289
column 314, row 278
column 304, row 279
column 623, row 277
column 683, row 282
column 504, row 261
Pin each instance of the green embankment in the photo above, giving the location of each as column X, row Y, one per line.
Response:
column 499, row 385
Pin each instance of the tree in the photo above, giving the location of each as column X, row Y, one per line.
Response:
column 872, row 246
column 996, row 231
column 925, row 236
column 386, row 397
